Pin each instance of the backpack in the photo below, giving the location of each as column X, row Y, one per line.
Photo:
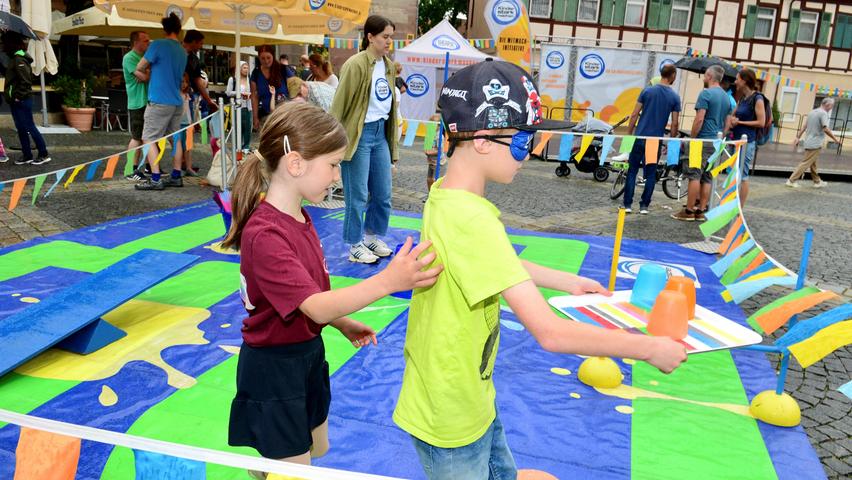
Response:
column 763, row 134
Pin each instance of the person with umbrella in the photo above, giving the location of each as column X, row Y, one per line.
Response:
column 18, row 93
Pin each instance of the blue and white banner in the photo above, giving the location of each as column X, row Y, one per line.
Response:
column 608, row 81
column 553, row 77
column 419, row 100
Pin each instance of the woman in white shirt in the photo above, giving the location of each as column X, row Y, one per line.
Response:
column 243, row 99
column 321, row 70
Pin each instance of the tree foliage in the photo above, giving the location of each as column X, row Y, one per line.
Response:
column 431, row 12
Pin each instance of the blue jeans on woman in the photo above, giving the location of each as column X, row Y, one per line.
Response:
column 487, row 458
column 22, row 114
column 636, row 160
column 367, row 185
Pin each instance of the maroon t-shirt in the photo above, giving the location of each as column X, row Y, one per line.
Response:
column 281, row 265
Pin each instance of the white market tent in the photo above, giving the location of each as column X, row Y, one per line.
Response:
column 424, row 59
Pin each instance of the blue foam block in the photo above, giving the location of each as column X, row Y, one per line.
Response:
column 49, row 322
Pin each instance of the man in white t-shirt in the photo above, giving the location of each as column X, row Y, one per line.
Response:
column 814, row 132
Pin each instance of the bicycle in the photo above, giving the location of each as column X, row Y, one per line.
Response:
column 672, row 177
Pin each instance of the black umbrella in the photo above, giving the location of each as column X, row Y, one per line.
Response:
column 14, row 23
column 700, row 65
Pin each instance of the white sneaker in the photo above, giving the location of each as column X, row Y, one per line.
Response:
column 628, row 210
column 378, row 247
column 361, row 254
column 643, row 211
column 821, row 184
column 4, row 159
column 792, row 184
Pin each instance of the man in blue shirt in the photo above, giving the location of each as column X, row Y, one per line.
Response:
column 711, row 114
column 162, row 67
column 655, row 103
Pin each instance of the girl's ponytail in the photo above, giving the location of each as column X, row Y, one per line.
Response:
column 251, row 181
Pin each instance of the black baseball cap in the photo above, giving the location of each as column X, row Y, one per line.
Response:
column 493, row 95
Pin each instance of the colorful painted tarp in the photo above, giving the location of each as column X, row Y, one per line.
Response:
column 172, row 377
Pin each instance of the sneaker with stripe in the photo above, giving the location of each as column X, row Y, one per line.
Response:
column 378, row 247
column 361, row 254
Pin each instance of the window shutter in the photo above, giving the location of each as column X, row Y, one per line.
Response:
column 557, row 12
column 654, row 15
column 824, row 24
column 840, row 27
column 665, row 14
column 751, row 21
column 698, row 16
column 606, row 12
column 793, row 26
column 618, row 12
column 571, row 7
column 847, row 35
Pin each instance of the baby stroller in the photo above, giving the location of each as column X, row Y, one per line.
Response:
column 591, row 161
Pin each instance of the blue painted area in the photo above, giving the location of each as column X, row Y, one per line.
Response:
column 42, row 325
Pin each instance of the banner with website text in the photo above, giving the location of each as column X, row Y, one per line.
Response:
column 509, row 24
column 553, row 78
column 608, row 81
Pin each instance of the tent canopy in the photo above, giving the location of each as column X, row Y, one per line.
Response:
column 430, row 49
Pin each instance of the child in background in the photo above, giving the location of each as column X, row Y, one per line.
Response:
column 3, row 157
column 185, row 121
column 283, row 396
column 447, row 401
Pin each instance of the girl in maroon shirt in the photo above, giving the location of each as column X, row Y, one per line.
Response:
column 283, row 395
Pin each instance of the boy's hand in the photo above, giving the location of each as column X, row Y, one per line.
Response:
column 583, row 285
column 356, row 332
column 665, row 354
column 405, row 271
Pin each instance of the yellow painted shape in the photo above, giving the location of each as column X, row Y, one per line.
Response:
column 275, row 476
column 619, row 314
column 73, row 175
column 16, row 294
column 653, row 383
column 629, row 392
column 575, row 395
column 151, row 328
column 230, row 349
column 625, row 409
column 107, row 397
column 30, row 300
column 560, row 371
column 629, row 361
column 225, row 325
column 217, row 247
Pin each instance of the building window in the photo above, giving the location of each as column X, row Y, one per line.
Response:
column 587, row 11
column 540, row 8
column 789, row 103
column 765, row 25
column 680, row 15
column 634, row 14
column 808, row 27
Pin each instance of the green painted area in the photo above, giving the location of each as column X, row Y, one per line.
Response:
column 679, row 440
column 201, row 286
column 22, row 394
column 179, row 239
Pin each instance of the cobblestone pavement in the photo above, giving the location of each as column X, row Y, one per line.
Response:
column 537, row 200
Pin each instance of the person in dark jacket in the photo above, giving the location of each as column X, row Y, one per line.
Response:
column 18, row 93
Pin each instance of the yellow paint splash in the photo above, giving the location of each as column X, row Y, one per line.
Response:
column 151, row 328
column 575, row 395
column 625, row 409
column 217, row 247
column 16, row 294
column 629, row 392
column 629, row 361
column 560, row 371
column 230, row 349
column 107, row 397
column 30, row 300
column 653, row 383
column 225, row 325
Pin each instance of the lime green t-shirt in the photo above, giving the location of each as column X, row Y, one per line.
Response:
column 137, row 92
column 447, row 397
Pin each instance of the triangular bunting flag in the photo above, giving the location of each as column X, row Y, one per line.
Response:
column 151, row 466
column 673, row 152
column 652, row 151
column 411, row 132
column 566, row 143
column 627, row 144
column 39, row 181
column 161, row 145
column 59, row 176
column 17, row 190
column 73, row 175
column 204, row 132
column 190, row 134
column 128, row 166
column 695, row 150
column 109, row 171
column 585, row 141
column 90, row 173
column 542, row 143
column 606, row 146
column 429, row 139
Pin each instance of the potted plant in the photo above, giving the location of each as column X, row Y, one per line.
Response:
column 76, row 95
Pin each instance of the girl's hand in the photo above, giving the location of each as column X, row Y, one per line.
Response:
column 665, row 354
column 357, row 333
column 405, row 271
column 583, row 285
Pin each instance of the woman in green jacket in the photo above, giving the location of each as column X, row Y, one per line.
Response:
column 365, row 105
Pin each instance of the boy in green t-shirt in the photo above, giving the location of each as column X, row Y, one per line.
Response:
column 447, row 402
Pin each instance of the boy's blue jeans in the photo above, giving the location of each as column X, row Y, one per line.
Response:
column 636, row 160
column 487, row 458
column 367, row 185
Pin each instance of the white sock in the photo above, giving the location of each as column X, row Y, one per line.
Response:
column 369, row 238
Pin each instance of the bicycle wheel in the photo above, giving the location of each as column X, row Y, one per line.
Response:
column 675, row 185
column 618, row 185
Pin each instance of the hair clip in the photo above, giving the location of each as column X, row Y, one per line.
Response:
column 286, row 145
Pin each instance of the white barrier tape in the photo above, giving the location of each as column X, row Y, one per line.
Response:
column 183, row 451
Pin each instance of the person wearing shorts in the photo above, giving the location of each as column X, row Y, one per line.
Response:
column 137, row 93
column 163, row 65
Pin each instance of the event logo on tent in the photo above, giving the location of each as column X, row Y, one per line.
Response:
column 555, row 60
column 443, row 42
column 592, row 66
column 418, row 85
column 316, row 4
column 506, row 12
column 383, row 91
column 334, row 24
column 263, row 22
column 176, row 10
column 664, row 62
column 629, row 267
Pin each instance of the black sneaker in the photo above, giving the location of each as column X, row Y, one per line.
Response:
column 150, row 184
column 170, row 181
column 23, row 161
column 41, row 160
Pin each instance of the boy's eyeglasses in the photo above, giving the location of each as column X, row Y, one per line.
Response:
column 520, row 146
